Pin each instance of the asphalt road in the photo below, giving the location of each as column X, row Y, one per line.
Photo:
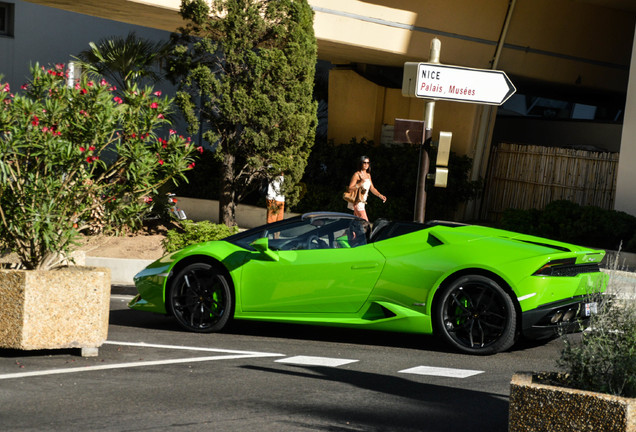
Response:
column 259, row 377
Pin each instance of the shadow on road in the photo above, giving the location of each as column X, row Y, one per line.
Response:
column 145, row 320
column 410, row 405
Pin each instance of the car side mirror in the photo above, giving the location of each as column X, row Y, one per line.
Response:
column 262, row 245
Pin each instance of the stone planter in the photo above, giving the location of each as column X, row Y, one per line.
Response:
column 540, row 407
column 65, row 308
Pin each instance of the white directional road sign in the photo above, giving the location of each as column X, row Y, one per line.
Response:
column 457, row 83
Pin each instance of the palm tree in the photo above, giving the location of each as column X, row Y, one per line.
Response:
column 124, row 61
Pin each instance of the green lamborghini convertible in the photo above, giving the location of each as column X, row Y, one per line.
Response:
column 478, row 288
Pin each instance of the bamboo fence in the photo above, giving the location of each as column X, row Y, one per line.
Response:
column 531, row 176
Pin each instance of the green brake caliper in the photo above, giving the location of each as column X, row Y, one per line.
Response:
column 460, row 317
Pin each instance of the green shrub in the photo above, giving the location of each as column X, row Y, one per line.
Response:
column 603, row 359
column 195, row 232
column 525, row 221
column 204, row 181
column 329, row 170
column 569, row 222
column 394, row 170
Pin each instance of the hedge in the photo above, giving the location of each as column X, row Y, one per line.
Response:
column 569, row 222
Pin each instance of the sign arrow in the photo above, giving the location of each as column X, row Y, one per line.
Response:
column 456, row 83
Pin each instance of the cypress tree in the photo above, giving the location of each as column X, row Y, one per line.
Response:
column 246, row 71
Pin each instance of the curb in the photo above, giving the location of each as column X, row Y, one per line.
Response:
column 622, row 284
column 128, row 290
column 122, row 270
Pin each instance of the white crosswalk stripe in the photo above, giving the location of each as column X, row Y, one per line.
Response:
column 315, row 361
column 441, row 372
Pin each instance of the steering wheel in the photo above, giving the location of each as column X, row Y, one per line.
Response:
column 313, row 242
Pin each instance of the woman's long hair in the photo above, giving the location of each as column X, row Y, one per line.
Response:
column 361, row 163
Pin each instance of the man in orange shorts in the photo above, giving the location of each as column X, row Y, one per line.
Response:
column 275, row 200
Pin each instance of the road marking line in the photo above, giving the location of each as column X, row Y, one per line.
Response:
column 121, row 366
column 190, row 348
column 231, row 355
column 442, row 372
column 121, row 297
column 315, row 361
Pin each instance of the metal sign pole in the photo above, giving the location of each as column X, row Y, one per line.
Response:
column 420, row 200
column 420, row 195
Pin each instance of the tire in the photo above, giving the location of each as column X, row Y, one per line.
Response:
column 476, row 315
column 201, row 299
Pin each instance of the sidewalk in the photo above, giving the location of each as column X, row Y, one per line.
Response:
column 622, row 284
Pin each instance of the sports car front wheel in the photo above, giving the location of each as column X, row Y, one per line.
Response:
column 200, row 298
column 476, row 315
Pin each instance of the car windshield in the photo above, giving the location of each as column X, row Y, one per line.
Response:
column 321, row 231
column 325, row 231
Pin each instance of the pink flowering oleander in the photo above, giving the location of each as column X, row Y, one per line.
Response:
column 51, row 132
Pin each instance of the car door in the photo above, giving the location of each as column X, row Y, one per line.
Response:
column 327, row 280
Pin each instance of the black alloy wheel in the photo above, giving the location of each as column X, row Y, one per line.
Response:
column 200, row 298
column 476, row 316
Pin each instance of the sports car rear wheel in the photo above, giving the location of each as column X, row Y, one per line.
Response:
column 476, row 315
column 201, row 299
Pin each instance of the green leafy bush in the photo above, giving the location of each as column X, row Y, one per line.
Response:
column 394, row 170
column 569, row 222
column 329, row 170
column 204, row 181
column 195, row 232
column 78, row 158
column 603, row 359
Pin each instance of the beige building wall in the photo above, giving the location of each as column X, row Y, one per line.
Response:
column 626, row 181
column 355, row 107
column 359, row 108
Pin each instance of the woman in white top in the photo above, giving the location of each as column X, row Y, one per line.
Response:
column 362, row 179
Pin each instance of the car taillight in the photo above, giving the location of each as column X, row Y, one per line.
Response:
column 565, row 267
